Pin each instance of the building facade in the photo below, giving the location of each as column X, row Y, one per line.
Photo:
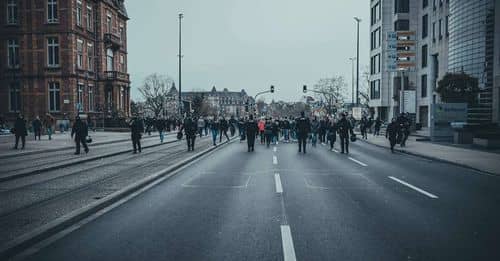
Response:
column 450, row 36
column 64, row 57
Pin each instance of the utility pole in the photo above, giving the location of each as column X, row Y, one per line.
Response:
column 358, row 20
column 181, row 15
column 352, row 78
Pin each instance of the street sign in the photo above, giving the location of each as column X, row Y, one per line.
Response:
column 400, row 51
column 409, row 101
column 66, row 101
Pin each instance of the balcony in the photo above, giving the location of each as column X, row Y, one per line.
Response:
column 115, row 76
column 113, row 41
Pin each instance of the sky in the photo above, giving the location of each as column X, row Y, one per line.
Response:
column 246, row 44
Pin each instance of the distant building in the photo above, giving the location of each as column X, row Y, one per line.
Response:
column 225, row 102
column 63, row 57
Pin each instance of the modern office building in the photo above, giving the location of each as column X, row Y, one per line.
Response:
column 451, row 36
column 63, row 57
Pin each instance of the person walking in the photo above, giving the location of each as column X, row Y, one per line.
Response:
column 37, row 127
column 160, row 127
column 201, row 126
column 48, row 123
column 391, row 133
column 136, row 129
column 315, row 126
column 262, row 127
column 332, row 133
column 268, row 131
column 20, row 131
column 321, row 131
column 286, row 130
column 251, row 130
column 224, row 125
column 378, row 124
column 80, row 132
column 303, row 128
column 190, row 127
column 344, row 130
column 363, row 126
column 232, row 126
column 214, row 128
column 276, row 131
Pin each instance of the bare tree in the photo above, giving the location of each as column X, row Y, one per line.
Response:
column 331, row 90
column 154, row 91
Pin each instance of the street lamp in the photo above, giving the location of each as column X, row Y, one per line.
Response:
column 181, row 15
column 352, row 59
column 358, row 20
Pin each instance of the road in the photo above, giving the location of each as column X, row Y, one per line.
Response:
column 276, row 204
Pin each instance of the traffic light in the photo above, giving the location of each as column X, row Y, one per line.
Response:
column 304, row 88
column 272, row 88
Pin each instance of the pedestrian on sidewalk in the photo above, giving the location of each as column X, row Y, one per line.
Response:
column 20, row 131
column 37, row 127
column 214, row 129
column 48, row 123
column 363, row 126
column 80, row 131
column 344, row 130
column 190, row 127
column 232, row 126
column 201, row 126
column 303, row 128
column 224, row 125
column 332, row 133
column 392, row 133
column 251, row 130
column 136, row 129
column 160, row 127
column 378, row 124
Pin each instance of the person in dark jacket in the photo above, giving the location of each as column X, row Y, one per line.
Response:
column 80, row 131
column 20, row 131
column 251, row 130
column 136, row 129
column 37, row 128
column 224, row 125
column 214, row 129
column 286, row 130
column 190, row 127
column 363, row 126
column 303, row 126
column 332, row 133
column 344, row 129
column 160, row 127
column 378, row 124
column 391, row 133
column 268, row 131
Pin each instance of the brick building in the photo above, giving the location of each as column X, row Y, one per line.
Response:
column 63, row 57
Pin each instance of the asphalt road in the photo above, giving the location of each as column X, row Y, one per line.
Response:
column 276, row 204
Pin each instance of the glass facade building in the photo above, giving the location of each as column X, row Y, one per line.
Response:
column 471, row 42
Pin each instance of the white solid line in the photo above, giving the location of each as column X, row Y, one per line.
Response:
column 275, row 149
column 359, row 162
column 413, row 187
column 275, row 160
column 287, row 241
column 277, row 180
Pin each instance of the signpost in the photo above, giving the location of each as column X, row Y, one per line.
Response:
column 443, row 114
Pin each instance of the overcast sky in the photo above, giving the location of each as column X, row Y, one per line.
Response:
column 246, row 44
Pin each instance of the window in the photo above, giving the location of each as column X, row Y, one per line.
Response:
column 90, row 57
column 446, row 21
column 90, row 19
column 425, row 3
column 402, row 6
column 423, row 83
column 91, row 97
column 13, row 53
column 53, row 52
column 122, row 33
column 434, row 31
column 424, row 56
column 54, row 97
column 440, row 29
column 79, row 12
column 109, row 60
column 52, row 16
column 375, row 40
column 15, row 97
column 122, row 63
column 12, row 12
column 375, row 14
column 402, row 25
column 375, row 64
column 375, row 89
column 79, row 97
column 109, row 23
column 79, row 54
column 425, row 26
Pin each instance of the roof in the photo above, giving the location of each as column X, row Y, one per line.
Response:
column 119, row 5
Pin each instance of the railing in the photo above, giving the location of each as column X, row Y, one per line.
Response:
column 115, row 75
column 112, row 39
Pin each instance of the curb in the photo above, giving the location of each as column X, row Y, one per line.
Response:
column 17, row 245
column 67, row 148
column 72, row 163
column 432, row 158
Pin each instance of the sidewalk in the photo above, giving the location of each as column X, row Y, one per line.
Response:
column 59, row 141
column 475, row 159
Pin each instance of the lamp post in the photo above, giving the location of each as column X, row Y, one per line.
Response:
column 352, row 59
column 358, row 20
column 181, row 15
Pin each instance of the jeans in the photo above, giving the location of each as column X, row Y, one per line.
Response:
column 49, row 132
column 314, row 139
column 286, row 134
column 162, row 136
column 214, row 136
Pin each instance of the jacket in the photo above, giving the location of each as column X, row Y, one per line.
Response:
column 79, row 130
column 136, row 128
